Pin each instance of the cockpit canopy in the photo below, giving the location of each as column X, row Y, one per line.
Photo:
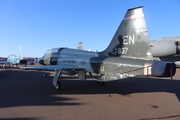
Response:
column 52, row 50
column 12, row 56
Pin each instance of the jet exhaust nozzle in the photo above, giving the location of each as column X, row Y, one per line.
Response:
column 177, row 47
column 163, row 69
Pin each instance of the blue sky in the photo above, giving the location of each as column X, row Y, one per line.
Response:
column 40, row 25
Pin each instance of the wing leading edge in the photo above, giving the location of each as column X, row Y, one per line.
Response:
column 53, row 67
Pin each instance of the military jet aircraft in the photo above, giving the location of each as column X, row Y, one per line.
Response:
column 173, row 38
column 128, row 54
column 167, row 49
column 14, row 60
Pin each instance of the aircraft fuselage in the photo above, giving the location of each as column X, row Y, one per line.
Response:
column 115, row 67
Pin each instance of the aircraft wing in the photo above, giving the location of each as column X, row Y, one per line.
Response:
column 4, row 62
column 53, row 67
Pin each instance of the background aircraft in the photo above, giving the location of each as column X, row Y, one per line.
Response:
column 14, row 60
column 80, row 46
column 167, row 49
column 128, row 54
column 174, row 38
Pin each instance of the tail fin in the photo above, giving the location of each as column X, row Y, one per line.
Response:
column 80, row 46
column 131, row 38
column 20, row 52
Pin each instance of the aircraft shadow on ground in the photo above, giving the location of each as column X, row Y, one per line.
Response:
column 161, row 118
column 29, row 88
column 123, row 86
column 30, row 118
column 24, row 88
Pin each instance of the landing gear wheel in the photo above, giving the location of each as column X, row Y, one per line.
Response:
column 4, row 66
column 100, row 82
column 44, row 75
column 58, row 85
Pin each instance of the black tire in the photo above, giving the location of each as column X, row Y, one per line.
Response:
column 58, row 85
column 44, row 75
column 100, row 82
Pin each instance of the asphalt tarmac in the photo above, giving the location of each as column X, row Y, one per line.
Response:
column 26, row 95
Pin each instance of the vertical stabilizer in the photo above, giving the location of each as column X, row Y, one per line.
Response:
column 80, row 46
column 20, row 52
column 131, row 38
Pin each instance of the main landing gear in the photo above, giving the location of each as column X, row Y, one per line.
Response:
column 4, row 66
column 56, row 80
column 58, row 85
column 100, row 82
column 44, row 75
column 58, row 75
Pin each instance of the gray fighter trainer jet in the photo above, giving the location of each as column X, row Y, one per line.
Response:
column 129, row 54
